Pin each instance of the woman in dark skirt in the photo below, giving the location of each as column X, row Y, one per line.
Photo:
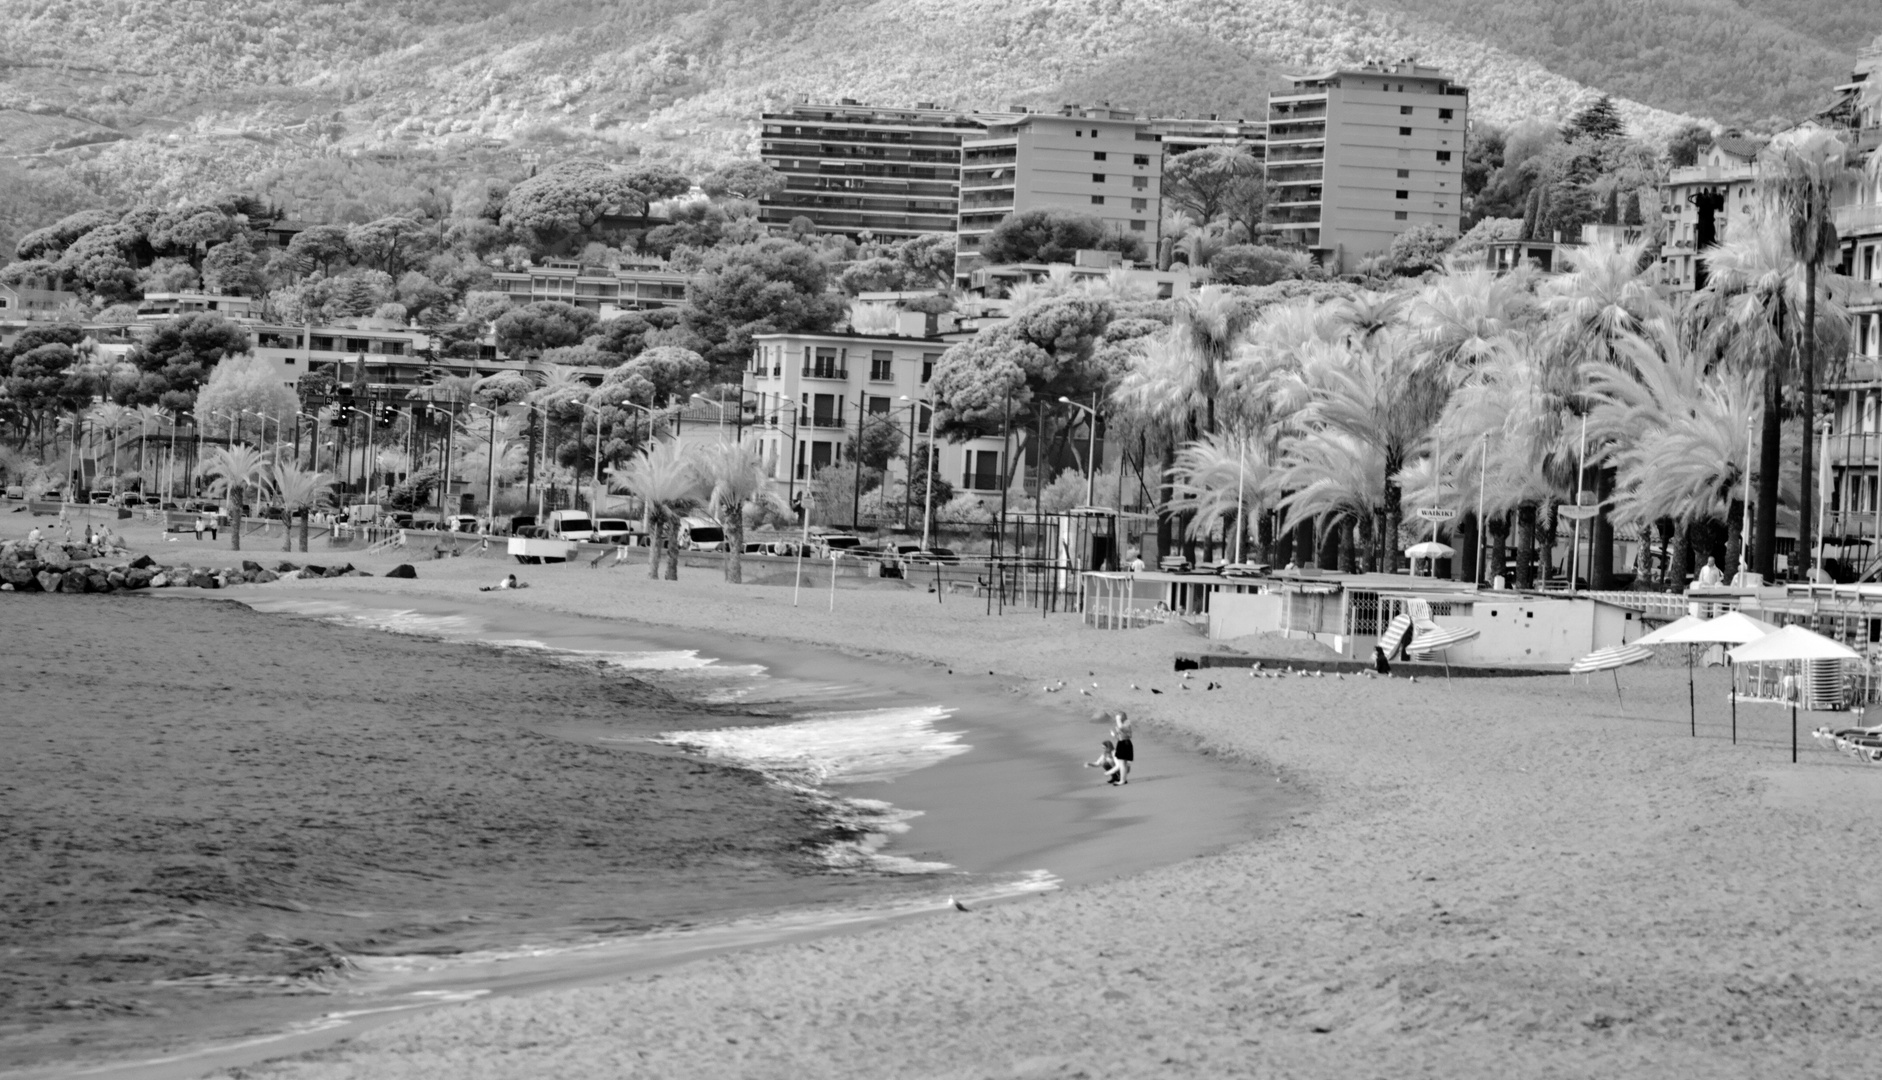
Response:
column 1121, row 735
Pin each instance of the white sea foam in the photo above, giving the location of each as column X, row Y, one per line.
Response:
column 835, row 748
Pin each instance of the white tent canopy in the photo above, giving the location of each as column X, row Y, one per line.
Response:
column 1791, row 643
column 1731, row 628
column 1663, row 634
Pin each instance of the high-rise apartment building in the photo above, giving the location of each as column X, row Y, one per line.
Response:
column 853, row 168
column 1698, row 201
column 1099, row 161
column 1357, row 156
column 1180, row 135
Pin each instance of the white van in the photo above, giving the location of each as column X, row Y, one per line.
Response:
column 701, row 534
column 570, row 525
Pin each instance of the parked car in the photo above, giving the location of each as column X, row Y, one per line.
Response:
column 613, row 530
column 944, row 556
column 462, row 523
column 101, row 498
column 16, row 492
column 570, row 525
column 520, row 521
column 830, row 543
column 786, row 549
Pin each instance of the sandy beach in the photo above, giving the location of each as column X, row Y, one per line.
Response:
column 1489, row 878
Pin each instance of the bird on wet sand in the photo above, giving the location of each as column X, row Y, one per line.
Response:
column 958, row 906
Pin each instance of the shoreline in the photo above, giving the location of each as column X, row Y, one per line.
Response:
column 1492, row 878
column 584, row 963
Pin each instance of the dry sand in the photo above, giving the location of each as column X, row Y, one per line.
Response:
column 1494, row 878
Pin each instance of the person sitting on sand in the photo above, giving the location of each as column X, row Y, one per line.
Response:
column 1379, row 662
column 33, row 536
column 1125, row 751
column 507, row 583
column 1107, row 761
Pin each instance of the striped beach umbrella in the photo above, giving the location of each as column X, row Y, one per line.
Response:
column 1436, row 641
column 1613, row 658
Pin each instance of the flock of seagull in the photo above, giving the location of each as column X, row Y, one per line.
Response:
column 1255, row 672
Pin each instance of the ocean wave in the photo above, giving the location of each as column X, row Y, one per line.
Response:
column 834, row 748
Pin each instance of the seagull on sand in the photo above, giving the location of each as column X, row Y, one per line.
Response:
column 958, row 906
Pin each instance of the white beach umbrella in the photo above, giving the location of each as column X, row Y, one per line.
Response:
column 1788, row 645
column 1731, row 628
column 1659, row 637
column 1436, row 641
column 1429, row 549
column 1613, row 658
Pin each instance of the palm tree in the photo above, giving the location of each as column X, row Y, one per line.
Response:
column 1213, row 319
column 667, row 481
column 739, row 482
column 300, row 490
column 1751, row 314
column 1605, row 296
column 1801, row 176
column 1222, row 478
column 111, row 418
column 1332, row 480
column 233, row 470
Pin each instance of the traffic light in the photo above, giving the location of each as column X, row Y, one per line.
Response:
column 345, row 392
column 388, row 414
column 338, row 417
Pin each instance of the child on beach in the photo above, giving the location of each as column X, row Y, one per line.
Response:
column 507, row 583
column 1125, row 752
column 1107, row 761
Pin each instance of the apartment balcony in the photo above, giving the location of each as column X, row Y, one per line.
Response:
column 826, row 421
column 1708, row 174
column 991, row 156
column 1309, row 178
column 979, row 183
column 817, row 372
column 1310, row 156
column 1317, row 141
column 1858, row 219
column 1309, row 201
column 986, row 200
column 1283, row 114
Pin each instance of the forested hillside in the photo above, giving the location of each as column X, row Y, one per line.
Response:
column 1738, row 61
column 112, row 101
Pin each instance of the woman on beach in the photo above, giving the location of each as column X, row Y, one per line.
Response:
column 1125, row 752
column 507, row 583
column 1107, row 761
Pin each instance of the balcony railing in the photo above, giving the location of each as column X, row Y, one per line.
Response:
column 821, row 372
column 1851, row 218
column 826, row 421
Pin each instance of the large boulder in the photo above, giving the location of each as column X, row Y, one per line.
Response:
column 263, row 577
column 19, row 576
column 310, row 570
column 160, row 581
column 72, row 581
column 142, row 562
column 403, row 570
column 51, row 556
column 249, row 566
column 202, row 579
column 138, row 577
column 339, row 571
column 49, row 581
column 97, row 580
column 285, row 567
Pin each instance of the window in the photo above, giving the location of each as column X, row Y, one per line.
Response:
column 928, row 361
column 879, row 406
column 1140, row 183
column 1444, row 114
column 881, row 366
column 1137, row 225
column 1398, row 215
column 1404, row 131
column 1404, row 110
column 1403, row 173
column 1097, row 178
column 1401, row 194
column 1078, row 133
column 1139, row 205
column 1141, row 160
column 824, row 366
column 1444, row 155
column 1097, row 155
column 982, row 471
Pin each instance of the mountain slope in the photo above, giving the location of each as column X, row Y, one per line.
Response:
column 1740, row 61
column 166, row 99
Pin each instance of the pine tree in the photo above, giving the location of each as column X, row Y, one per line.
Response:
column 1597, row 121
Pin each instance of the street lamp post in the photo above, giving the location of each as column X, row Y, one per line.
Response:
column 927, row 508
column 1091, row 446
column 719, row 405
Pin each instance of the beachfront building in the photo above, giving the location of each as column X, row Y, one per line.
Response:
column 20, row 302
column 157, row 306
column 1697, row 202
column 1100, row 161
column 852, row 168
column 1180, row 135
column 1852, row 531
column 808, row 395
column 1546, row 256
column 606, row 291
column 1358, row 155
